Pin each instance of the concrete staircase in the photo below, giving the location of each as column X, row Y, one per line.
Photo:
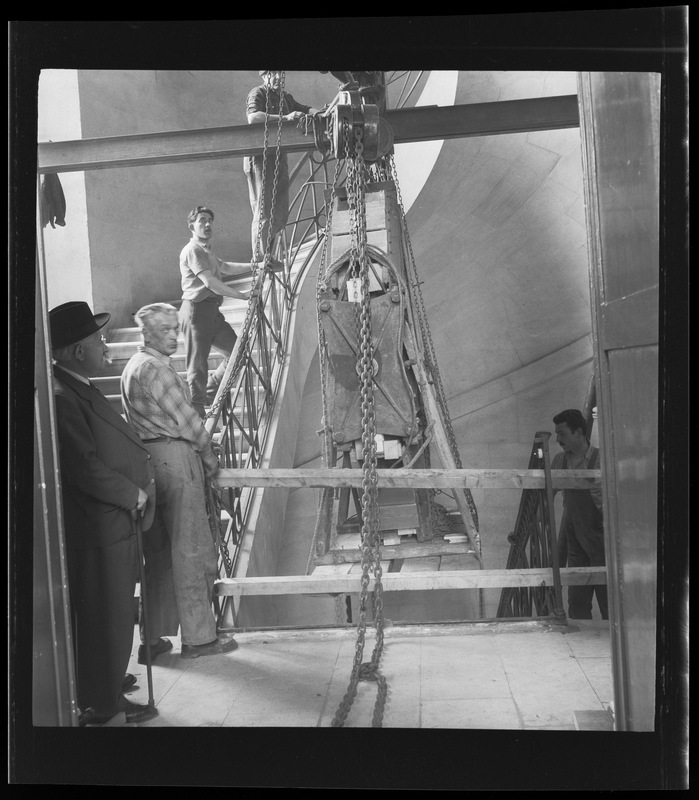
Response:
column 124, row 342
column 122, row 345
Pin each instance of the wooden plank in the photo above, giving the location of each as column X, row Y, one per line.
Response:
column 420, row 565
column 343, row 568
column 408, row 550
column 410, row 478
column 408, row 125
column 395, row 582
column 454, row 562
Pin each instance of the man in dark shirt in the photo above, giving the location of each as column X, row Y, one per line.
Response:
column 584, row 524
column 265, row 101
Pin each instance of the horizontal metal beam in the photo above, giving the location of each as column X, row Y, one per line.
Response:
column 410, row 478
column 408, row 125
column 412, row 581
column 484, row 119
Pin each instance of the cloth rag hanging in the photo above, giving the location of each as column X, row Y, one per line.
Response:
column 53, row 201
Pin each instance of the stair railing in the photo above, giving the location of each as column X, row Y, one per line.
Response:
column 242, row 409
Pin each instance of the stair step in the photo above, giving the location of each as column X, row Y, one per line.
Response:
column 177, row 361
column 233, row 310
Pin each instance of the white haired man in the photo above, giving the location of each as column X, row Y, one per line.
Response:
column 180, row 557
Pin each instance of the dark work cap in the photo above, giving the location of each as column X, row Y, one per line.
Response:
column 74, row 321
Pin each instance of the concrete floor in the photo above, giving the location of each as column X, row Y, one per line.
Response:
column 489, row 675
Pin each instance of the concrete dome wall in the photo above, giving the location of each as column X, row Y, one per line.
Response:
column 138, row 215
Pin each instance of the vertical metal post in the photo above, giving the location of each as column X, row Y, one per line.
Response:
column 558, row 610
column 146, row 628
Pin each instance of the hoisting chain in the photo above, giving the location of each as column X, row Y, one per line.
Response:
column 370, row 548
column 213, row 509
column 244, row 352
column 213, row 500
column 275, row 177
column 430, row 353
column 327, row 492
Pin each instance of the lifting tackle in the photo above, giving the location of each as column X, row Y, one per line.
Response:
column 383, row 401
column 368, row 268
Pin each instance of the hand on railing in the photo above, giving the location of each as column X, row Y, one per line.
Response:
column 275, row 265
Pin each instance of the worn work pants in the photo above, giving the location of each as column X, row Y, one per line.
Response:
column 102, row 584
column 180, row 556
column 584, row 532
column 277, row 219
column 203, row 326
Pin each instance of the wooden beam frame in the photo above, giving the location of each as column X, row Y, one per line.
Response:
column 415, row 581
column 410, row 478
column 408, row 125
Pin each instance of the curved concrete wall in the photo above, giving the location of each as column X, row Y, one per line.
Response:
column 138, row 215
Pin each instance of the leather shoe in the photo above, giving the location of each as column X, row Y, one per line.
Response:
column 218, row 646
column 92, row 717
column 135, row 712
column 128, row 682
column 162, row 646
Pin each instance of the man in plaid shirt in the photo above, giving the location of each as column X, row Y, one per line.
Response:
column 180, row 557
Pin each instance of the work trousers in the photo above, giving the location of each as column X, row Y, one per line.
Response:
column 203, row 326
column 180, row 557
column 270, row 219
column 584, row 532
column 102, row 583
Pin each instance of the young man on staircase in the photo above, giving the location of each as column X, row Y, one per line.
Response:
column 201, row 320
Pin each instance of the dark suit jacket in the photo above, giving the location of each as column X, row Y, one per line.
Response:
column 103, row 463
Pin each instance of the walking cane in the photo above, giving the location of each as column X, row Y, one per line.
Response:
column 146, row 633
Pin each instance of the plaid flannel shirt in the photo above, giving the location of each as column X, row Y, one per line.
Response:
column 157, row 402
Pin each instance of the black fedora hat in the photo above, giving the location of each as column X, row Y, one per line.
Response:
column 74, row 321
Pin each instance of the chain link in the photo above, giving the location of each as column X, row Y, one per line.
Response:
column 213, row 508
column 370, row 547
column 244, row 352
column 327, row 458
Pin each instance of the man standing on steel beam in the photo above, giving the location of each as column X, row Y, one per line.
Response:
column 265, row 104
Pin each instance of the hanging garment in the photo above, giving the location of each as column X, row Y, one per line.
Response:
column 53, row 201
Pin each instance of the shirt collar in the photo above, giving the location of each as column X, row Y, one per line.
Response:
column 201, row 243
column 587, row 455
column 142, row 348
column 77, row 377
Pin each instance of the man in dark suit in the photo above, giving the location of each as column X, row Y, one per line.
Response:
column 106, row 482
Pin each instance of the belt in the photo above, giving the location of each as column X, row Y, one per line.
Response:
column 164, row 439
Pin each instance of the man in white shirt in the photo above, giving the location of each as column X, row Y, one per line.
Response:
column 201, row 320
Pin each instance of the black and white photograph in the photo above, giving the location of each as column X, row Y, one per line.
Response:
column 356, row 400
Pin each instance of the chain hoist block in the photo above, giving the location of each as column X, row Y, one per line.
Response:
column 349, row 114
column 393, row 395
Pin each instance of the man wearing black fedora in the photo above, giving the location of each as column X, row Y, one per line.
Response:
column 106, row 480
